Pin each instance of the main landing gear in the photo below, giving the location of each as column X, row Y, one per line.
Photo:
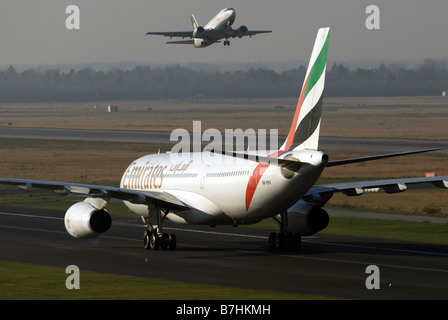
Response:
column 284, row 239
column 154, row 238
column 226, row 43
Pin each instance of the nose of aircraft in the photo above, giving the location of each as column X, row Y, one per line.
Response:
column 232, row 14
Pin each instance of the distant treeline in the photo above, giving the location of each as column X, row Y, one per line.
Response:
column 177, row 82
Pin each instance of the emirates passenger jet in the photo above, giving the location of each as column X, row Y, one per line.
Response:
column 232, row 188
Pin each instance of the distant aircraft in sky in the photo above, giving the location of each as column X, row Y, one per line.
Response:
column 220, row 27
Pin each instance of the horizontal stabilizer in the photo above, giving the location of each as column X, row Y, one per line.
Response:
column 378, row 157
column 283, row 163
column 171, row 34
column 181, row 42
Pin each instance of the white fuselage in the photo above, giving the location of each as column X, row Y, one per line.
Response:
column 221, row 189
column 216, row 28
column 222, row 20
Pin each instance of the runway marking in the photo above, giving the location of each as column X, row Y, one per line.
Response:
column 254, row 237
column 217, row 233
column 31, row 229
column 379, row 248
column 256, row 252
column 368, row 263
column 348, row 261
column 29, row 216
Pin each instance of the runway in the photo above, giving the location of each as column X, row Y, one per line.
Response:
column 331, row 266
column 327, row 144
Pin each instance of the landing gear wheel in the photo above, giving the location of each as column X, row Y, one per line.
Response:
column 154, row 238
column 272, row 237
column 280, row 241
column 146, row 239
column 172, row 243
column 154, row 241
column 296, row 241
column 284, row 239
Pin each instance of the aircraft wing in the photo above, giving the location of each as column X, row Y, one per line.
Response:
column 174, row 34
column 319, row 193
column 95, row 191
column 243, row 33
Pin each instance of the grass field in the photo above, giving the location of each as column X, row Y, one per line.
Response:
column 392, row 117
column 47, row 283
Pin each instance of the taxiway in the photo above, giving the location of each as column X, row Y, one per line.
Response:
column 331, row 266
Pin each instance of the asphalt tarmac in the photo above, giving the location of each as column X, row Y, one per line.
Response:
column 331, row 266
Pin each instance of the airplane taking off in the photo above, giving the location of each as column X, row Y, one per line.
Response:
column 232, row 187
column 220, row 27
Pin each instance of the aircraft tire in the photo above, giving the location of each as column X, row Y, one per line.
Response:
column 272, row 237
column 172, row 242
column 146, row 240
column 154, row 241
column 280, row 241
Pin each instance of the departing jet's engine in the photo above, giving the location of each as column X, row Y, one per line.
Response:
column 198, row 31
column 242, row 29
column 305, row 219
column 200, row 43
column 84, row 221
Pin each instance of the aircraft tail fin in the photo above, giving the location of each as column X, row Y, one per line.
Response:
column 305, row 128
column 194, row 23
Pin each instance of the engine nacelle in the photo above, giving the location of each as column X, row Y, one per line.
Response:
column 242, row 29
column 198, row 31
column 84, row 221
column 201, row 43
column 305, row 219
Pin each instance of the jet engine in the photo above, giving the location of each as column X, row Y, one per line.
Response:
column 305, row 219
column 84, row 221
column 198, row 31
column 200, row 43
column 242, row 29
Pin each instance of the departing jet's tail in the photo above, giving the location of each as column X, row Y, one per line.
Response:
column 194, row 22
column 304, row 131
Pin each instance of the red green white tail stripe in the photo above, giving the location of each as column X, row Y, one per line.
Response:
column 304, row 131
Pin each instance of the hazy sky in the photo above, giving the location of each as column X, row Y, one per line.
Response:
column 34, row 31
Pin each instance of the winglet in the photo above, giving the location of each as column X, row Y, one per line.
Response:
column 305, row 128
